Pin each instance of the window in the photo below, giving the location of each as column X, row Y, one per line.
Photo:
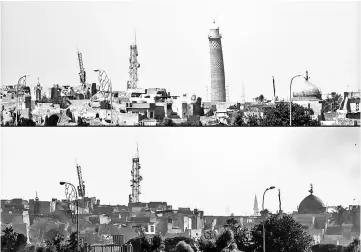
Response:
column 152, row 229
column 151, row 114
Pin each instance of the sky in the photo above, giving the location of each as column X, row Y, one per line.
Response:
column 261, row 39
column 218, row 171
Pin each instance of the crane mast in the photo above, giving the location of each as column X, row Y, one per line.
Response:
column 81, row 187
column 82, row 73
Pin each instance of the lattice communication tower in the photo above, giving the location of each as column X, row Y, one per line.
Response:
column 134, row 65
column 136, row 179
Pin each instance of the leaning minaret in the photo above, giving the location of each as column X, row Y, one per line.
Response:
column 218, row 87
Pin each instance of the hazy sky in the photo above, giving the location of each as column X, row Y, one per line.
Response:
column 217, row 170
column 260, row 39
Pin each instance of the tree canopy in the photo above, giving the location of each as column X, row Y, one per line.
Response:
column 12, row 241
column 278, row 115
column 283, row 233
column 339, row 215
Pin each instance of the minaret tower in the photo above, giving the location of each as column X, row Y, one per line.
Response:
column 255, row 207
column 36, row 205
column 134, row 65
column 136, row 179
column 218, row 87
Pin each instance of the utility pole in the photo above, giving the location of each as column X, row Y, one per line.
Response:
column 264, row 231
column 279, row 200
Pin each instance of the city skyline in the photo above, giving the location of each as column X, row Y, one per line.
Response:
column 261, row 39
column 209, row 173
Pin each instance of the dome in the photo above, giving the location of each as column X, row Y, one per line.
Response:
column 303, row 88
column 311, row 205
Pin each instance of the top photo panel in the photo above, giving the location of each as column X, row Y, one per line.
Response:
column 181, row 63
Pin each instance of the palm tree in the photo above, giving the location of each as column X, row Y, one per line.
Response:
column 339, row 216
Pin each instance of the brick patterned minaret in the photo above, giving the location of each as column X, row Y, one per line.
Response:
column 218, row 87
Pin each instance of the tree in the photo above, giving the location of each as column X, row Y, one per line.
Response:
column 157, row 243
column 339, row 216
column 171, row 243
column 252, row 120
column 261, row 98
column 265, row 212
column 206, row 244
column 241, row 235
column 191, row 123
column 183, row 247
column 237, row 118
column 283, row 233
column 225, row 239
column 327, row 248
column 279, row 115
column 354, row 246
column 168, row 122
column 12, row 241
column 333, row 102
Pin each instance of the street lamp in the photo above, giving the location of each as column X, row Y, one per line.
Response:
column 70, row 195
column 103, row 81
column 299, row 75
column 21, row 81
column 264, row 232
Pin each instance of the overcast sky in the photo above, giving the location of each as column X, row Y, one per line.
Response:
column 217, row 170
column 261, row 39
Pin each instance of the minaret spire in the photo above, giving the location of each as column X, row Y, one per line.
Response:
column 311, row 190
column 255, row 206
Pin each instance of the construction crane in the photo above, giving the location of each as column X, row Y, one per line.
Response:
column 82, row 73
column 81, row 187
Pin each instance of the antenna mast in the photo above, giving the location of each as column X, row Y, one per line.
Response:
column 134, row 65
column 136, row 179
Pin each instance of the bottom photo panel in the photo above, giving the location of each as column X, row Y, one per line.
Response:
column 188, row 189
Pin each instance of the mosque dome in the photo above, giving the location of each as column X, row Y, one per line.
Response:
column 303, row 88
column 311, row 205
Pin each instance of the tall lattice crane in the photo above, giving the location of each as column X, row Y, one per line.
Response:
column 82, row 73
column 81, row 186
column 136, row 179
column 134, row 65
